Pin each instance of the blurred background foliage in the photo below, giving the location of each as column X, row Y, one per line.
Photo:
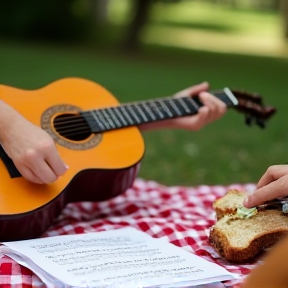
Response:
column 142, row 49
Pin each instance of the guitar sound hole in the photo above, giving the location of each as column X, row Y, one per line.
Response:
column 72, row 127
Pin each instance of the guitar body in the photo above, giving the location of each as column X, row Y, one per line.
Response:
column 101, row 165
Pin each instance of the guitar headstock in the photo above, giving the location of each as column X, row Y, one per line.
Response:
column 251, row 104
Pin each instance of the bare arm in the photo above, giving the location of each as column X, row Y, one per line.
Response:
column 273, row 272
column 32, row 150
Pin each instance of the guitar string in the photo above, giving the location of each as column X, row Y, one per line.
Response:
column 128, row 105
column 72, row 117
column 82, row 127
column 125, row 105
column 77, row 117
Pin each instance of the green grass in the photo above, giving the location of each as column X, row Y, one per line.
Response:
column 226, row 151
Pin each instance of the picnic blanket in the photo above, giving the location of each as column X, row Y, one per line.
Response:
column 181, row 215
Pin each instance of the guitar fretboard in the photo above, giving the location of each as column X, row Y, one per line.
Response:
column 138, row 113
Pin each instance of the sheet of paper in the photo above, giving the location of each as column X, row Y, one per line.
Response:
column 116, row 258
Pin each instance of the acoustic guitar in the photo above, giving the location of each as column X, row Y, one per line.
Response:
column 103, row 146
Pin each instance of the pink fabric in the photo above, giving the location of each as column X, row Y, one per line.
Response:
column 182, row 215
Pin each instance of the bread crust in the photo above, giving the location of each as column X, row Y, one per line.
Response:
column 221, row 208
column 243, row 254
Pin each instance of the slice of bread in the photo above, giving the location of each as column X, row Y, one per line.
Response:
column 240, row 240
column 229, row 203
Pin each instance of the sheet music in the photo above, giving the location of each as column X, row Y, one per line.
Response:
column 116, row 258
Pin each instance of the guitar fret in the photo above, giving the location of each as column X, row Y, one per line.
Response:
column 163, row 109
column 168, row 110
column 137, row 113
column 127, row 115
column 183, row 104
column 145, row 119
column 172, row 103
column 107, row 117
column 104, row 119
column 112, row 116
column 133, row 114
column 149, row 111
column 122, row 119
column 155, row 109
column 171, row 108
column 180, row 107
column 101, row 123
column 192, row 104
column 160, row 109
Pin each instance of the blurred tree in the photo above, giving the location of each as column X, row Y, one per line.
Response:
column 52, row 20
column 140, row 10
column 274, row 4
column 140, row 16
column 284, row 10
column 267, row 4
column 100, row 11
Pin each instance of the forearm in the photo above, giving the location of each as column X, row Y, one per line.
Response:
column 3, row 117
column 273, row 271
column 7, row 117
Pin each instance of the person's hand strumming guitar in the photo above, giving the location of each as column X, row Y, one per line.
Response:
column 31, row 148
column 34, row 152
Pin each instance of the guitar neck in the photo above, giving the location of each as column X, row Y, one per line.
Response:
column 137, row 113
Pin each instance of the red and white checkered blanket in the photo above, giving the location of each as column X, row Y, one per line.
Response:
column 182, row 215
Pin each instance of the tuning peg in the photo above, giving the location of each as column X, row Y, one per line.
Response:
column 260, row 122
column 248, row 119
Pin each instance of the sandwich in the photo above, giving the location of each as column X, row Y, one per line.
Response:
column 240, row 234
